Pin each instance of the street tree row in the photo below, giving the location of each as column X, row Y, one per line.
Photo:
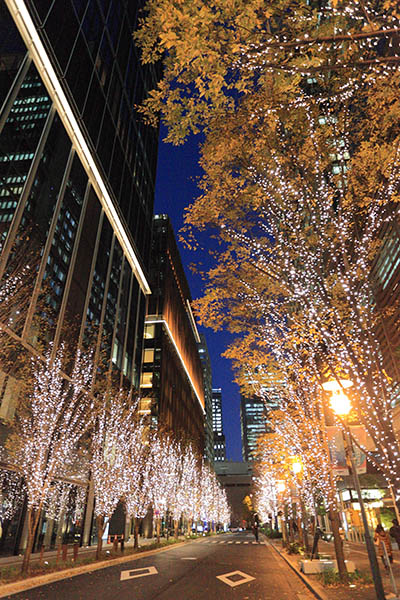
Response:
column 298, row 106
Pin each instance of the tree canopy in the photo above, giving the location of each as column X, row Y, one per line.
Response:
column 298, row 102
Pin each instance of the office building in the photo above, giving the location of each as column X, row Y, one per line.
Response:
column 236, row 479
column 207, row 384
column 171, row 386
column 77, row 169
column 219, row 437
column 253, row 421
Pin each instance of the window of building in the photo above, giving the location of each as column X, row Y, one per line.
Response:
column 149, row 331
column 146, row 380
column 148, row 355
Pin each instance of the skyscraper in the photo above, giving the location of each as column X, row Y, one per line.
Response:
column 77, row 169
column 172, row 391
column 207, row 384
column 253, row 424
column 219, row 437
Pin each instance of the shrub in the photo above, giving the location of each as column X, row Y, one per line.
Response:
column 294, row 548
column 331, row 577
column 272, row 533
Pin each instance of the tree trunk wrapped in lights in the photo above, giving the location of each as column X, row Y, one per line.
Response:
column 48, row 429
column 110, row 445
column 137, row 476
column 298, row 432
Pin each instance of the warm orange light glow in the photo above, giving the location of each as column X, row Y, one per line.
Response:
column 280, row 486
column 297, row 467
column 340, row 403
column 335, row 385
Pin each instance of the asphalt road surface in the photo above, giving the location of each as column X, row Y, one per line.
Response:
column 216, row 568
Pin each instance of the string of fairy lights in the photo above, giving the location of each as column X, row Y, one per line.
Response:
column 313, row 231
column 127, row 462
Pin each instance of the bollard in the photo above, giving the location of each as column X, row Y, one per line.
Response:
column 75, row 551
column 64, row 552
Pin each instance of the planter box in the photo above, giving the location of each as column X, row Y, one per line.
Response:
column 318, row 566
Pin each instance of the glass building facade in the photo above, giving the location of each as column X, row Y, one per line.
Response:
column 219, row 437
column 77, row 170
column 207, row 384
column 171, row 387
column 253, row 424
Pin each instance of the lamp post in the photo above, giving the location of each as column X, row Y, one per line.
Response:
column 297, row 468
column 280, row 489
column 340, row 404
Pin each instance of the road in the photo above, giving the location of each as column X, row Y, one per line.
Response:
column 215, row 568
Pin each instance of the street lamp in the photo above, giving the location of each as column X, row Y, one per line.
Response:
column 341, row 405
column 297, row 468
column 280, row 486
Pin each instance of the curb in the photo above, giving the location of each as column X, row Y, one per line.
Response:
column 27, row 584
column 318, row 593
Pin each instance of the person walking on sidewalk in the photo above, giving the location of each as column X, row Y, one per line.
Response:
column 256, row 524
column 382, row 539
column 395, row 532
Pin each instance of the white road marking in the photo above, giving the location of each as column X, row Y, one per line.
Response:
column 189, row 558
column 244, row 578
column 230, row 542
column 245, row 542
column 238, row 542
column 144, row 572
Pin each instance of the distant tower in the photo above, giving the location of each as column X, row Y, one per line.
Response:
column 253, row 423
column 207, row 383
column 219, row 438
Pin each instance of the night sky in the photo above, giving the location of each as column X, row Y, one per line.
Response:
column 175, row 190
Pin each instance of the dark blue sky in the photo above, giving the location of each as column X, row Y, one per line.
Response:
column 175, row 190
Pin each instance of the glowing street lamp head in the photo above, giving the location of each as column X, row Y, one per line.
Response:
column 340, row 403
column 297, row 467
column 336, row 385
column 280, row 486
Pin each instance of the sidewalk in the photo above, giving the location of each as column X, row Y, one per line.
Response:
column 358, row 554
column 86, row 551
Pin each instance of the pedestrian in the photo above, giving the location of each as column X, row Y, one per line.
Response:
column 256, row 523
column 395, row 532
column 382, row 539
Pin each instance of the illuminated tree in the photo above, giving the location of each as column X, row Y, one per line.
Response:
column 16, row 284
column 137, row 493
column 300, row 109
column 165, row 473
column 216, row 54
column 111, row 458
column 48, row 429
column 188, row 492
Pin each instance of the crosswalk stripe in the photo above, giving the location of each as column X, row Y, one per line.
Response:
column 232, row 542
